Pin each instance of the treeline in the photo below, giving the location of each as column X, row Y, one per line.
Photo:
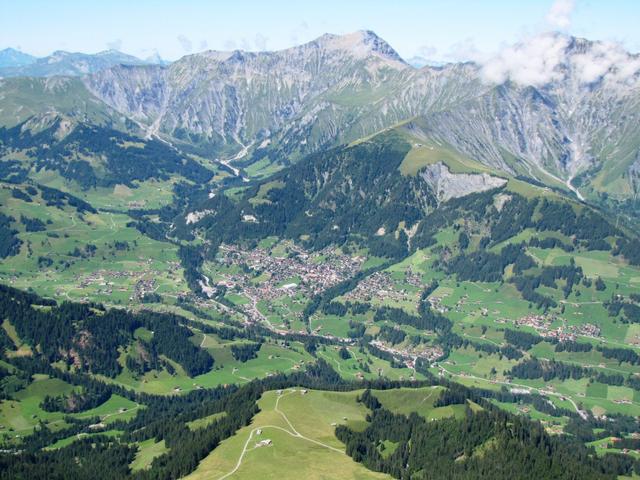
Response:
column 620, row 354
column 522, row 340
column 629, row 248
column 552, row 369
column 511, row 446
column 548, row 276
column 631, row 310
column 324, row 300
column 426, row 319
column 485, row 266
column 9, row 241
column 88, row 336
column 570, row 346
column 33, row 224
column 13, row 171
column 245, row 351
column 550, row 242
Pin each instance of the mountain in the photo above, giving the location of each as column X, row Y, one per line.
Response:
column 576, row 130
column 281, row 105
column 234, row 99
column 573, row 127
column 69, row 64
column 322, row 262
column 390, row 193
column 10, row 57
column 28, row 99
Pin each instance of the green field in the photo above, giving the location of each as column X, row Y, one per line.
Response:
column 300, row 428
column 55, row 262
column 419, row 400
column 21, row 414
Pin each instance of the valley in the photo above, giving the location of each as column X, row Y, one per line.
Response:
column 317, row 262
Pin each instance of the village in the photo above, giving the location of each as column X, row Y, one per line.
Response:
column 381, row 287
column 409, row 355
column 563, row 333
column 262, row 276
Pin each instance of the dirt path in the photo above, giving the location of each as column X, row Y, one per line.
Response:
column 293, row 432
column 296, row 433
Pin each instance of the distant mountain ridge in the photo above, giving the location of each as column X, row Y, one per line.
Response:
column 10, row 57
column 577, row 130
column 14, row 63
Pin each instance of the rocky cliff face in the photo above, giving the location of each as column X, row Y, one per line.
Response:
column 333, row 89
column 446, row 185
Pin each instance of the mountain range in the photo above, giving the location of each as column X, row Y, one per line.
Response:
column 322, row 262
column 577, row 129
column 14, row 63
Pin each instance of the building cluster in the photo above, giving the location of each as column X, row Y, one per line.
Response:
column 563, row 333
column 299, row 272
column 539, row 322
column 410, row 354
column 379, row 285
column 438, row 306
column 144, row 286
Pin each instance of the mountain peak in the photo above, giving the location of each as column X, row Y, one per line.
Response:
column 362, row 43
column 10, row 57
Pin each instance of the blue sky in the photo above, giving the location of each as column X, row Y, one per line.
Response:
column 436, row 29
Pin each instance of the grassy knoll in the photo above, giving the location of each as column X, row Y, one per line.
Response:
column 69, row 440
column 303, row 444
column 419, row 400
column 151, row 193
column 430, row 152
column 147, row 451
column 205, row 421
column 272, row 358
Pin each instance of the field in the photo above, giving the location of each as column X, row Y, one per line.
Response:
column 300, row 428
column 20, row 415
column 419, row 400
column 82, row 256
column 300, row 425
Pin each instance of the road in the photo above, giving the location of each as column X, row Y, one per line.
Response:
column 582, row 413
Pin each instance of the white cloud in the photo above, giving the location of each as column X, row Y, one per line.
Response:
column 427, row 51
column 115, row 44
column 204, row 45
column 185, row 43
column 463, row 51
column 559, row 16
column 607, row 61
column 547, row 57
column 533, row 62
column 261, row 42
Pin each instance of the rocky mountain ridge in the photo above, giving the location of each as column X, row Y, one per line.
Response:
column 568, row 118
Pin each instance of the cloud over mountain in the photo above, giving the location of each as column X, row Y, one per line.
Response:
column 549, row 57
